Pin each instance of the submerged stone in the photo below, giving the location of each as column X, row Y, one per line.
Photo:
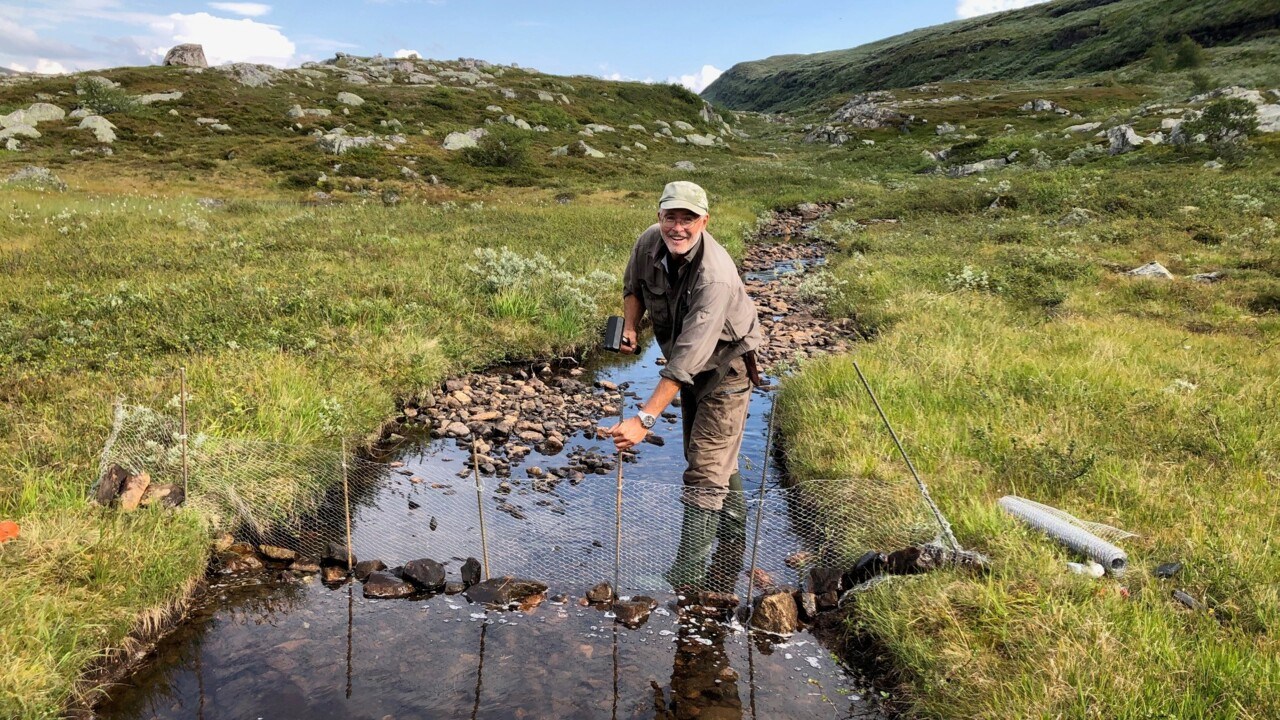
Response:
column 425, row 573
column 335, row 554
column 383, row 584
column 634, row 612
column 502, row 591
column 365, row 568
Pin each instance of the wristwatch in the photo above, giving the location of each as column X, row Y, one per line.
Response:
column 646, row 419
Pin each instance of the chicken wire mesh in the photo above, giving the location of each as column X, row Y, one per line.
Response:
column 560, row 530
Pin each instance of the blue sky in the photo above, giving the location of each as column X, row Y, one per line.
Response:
column 625, row 40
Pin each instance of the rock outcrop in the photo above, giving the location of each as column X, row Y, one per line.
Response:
column 186, row 55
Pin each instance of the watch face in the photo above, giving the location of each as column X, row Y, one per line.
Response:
column 647, row 420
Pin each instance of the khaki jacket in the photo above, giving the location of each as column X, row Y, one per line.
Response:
column 702, row 323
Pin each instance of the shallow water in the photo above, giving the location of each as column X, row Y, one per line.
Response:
column 262, row 647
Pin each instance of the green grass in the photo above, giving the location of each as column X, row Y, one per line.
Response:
column 1143, row 404
column 300, row 323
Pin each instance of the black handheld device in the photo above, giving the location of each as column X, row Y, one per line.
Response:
column 613, row 334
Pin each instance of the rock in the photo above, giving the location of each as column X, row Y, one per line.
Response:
column 1151, row 270
column 365, row 568
column 43, row 112
column 102, row 128
column 578, row 149
column 1076, row 217
column 685, row 165
column 250, row 75
column 297, row 111
column 807, row 603
column 1168, row 570
column 701, row 140
column 305, row 565
column 905, row 561
column 1123, row 139
column 426, row 574
column 601, row 593
column 385, row 585
column 457, row 429
column 19, row 131
column 1187, row 600
column 824, row 580
column 332, row 575
column 166, row 495
column 471, row 572
column 503, row 591
column 277, row 553
column 220, row 127
column 1208, row 277
column 338, row 142
column 776, row 613
column 153, row 98
column 233, row 563
column 349, row 98
column 335, row 555
column 460, row 140
column 112, row 482
column 945, row 129
column 186, row 55
column 1084, row 127
column 1212, row 165
column 682, row 125
column 634, row 612
column 453, row 587
column 132, row 490
column 977, row 167
column 1042, row 105
column 870, row 111
column 871, row 563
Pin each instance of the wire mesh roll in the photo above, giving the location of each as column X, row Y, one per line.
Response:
column 1052, row 523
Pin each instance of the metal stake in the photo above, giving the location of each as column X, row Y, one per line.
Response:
column 617, row 518
column 937, row 514
column 755, row 541
column 484, row 538
column 346, row 506
column 183, row 403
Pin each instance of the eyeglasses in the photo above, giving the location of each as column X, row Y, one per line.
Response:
column 673, row 221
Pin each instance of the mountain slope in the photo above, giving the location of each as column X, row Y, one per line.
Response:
column 1056, row 39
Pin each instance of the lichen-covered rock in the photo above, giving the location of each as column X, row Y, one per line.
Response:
column 43, row 112
column 349, row 98
column 102, row 128
column 186, row 55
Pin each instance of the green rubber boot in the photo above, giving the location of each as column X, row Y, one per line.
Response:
column 697, row 533
column 731, row 540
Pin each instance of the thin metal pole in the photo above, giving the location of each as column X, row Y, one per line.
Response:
column 937, row 514
column 183, row 403
column 484, row 537
column 617, row 517
column 346, row 506
column 755, row 541
column 350, row 624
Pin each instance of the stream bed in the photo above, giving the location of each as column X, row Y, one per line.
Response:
column 284, row 645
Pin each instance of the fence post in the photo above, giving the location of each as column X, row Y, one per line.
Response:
column 346, row 505
column 484, row 538
column 183, row 403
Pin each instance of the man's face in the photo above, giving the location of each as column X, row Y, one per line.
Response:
column 680, row 229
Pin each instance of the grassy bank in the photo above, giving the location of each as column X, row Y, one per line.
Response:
column 1016, row 358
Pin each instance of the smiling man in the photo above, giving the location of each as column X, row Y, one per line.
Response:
column 706, row 325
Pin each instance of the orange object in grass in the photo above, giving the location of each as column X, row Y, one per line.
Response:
column 8, row 530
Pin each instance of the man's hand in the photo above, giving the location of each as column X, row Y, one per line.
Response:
column 627, row 433
column 628, row 345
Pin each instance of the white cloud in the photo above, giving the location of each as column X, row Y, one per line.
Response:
column 247, row 9
column 698, row 81
column 411, row 54
column 974, row 8
column 225, row 40
column 42, row 66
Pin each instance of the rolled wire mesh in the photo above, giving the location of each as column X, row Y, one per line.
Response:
column 1070, row 531
column 551, row 529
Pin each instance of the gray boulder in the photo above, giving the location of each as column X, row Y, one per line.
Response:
column 250, row 75
column 352, row 99
column 43, row 112
column 36, row 177
column 425, row 573
column 297, row 111
column 1084, row 127
column 977, row 167
column 1152, row 270
column 502, row 592
column 386, row 585
column 152, row 98
column 19, row 131
column 338, row 141
column 460, row 140
column 702, row 140
column 102, row 128
column 682, row 125
column 187, row 55
column 685, row 165
column 1123, row 139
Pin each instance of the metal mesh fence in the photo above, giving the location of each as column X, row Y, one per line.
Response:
column 561, row 530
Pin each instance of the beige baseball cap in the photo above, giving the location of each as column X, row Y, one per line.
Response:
column 683, row 194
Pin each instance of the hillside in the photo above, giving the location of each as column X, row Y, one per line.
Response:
column 1058, row 39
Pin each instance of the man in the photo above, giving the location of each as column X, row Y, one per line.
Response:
column 706, row 325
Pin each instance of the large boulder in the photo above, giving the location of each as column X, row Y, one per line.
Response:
column 425, row 573
column 1123, row 139
column 350, row 98
column 19, row 131
column 152, row 98
column 43, row 112
column 251, row 75
column 102, row 128
column 776, row 613
column 460, row 140
column 186, row 55
column 504, row 591
column 385, row 585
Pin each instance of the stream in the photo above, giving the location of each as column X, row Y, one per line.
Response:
column 274, row 644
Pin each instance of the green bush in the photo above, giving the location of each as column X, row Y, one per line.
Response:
column 1188, row 54
column 1201, row 82
column 104, row 99
column 1158, row 59
column 501, row 148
